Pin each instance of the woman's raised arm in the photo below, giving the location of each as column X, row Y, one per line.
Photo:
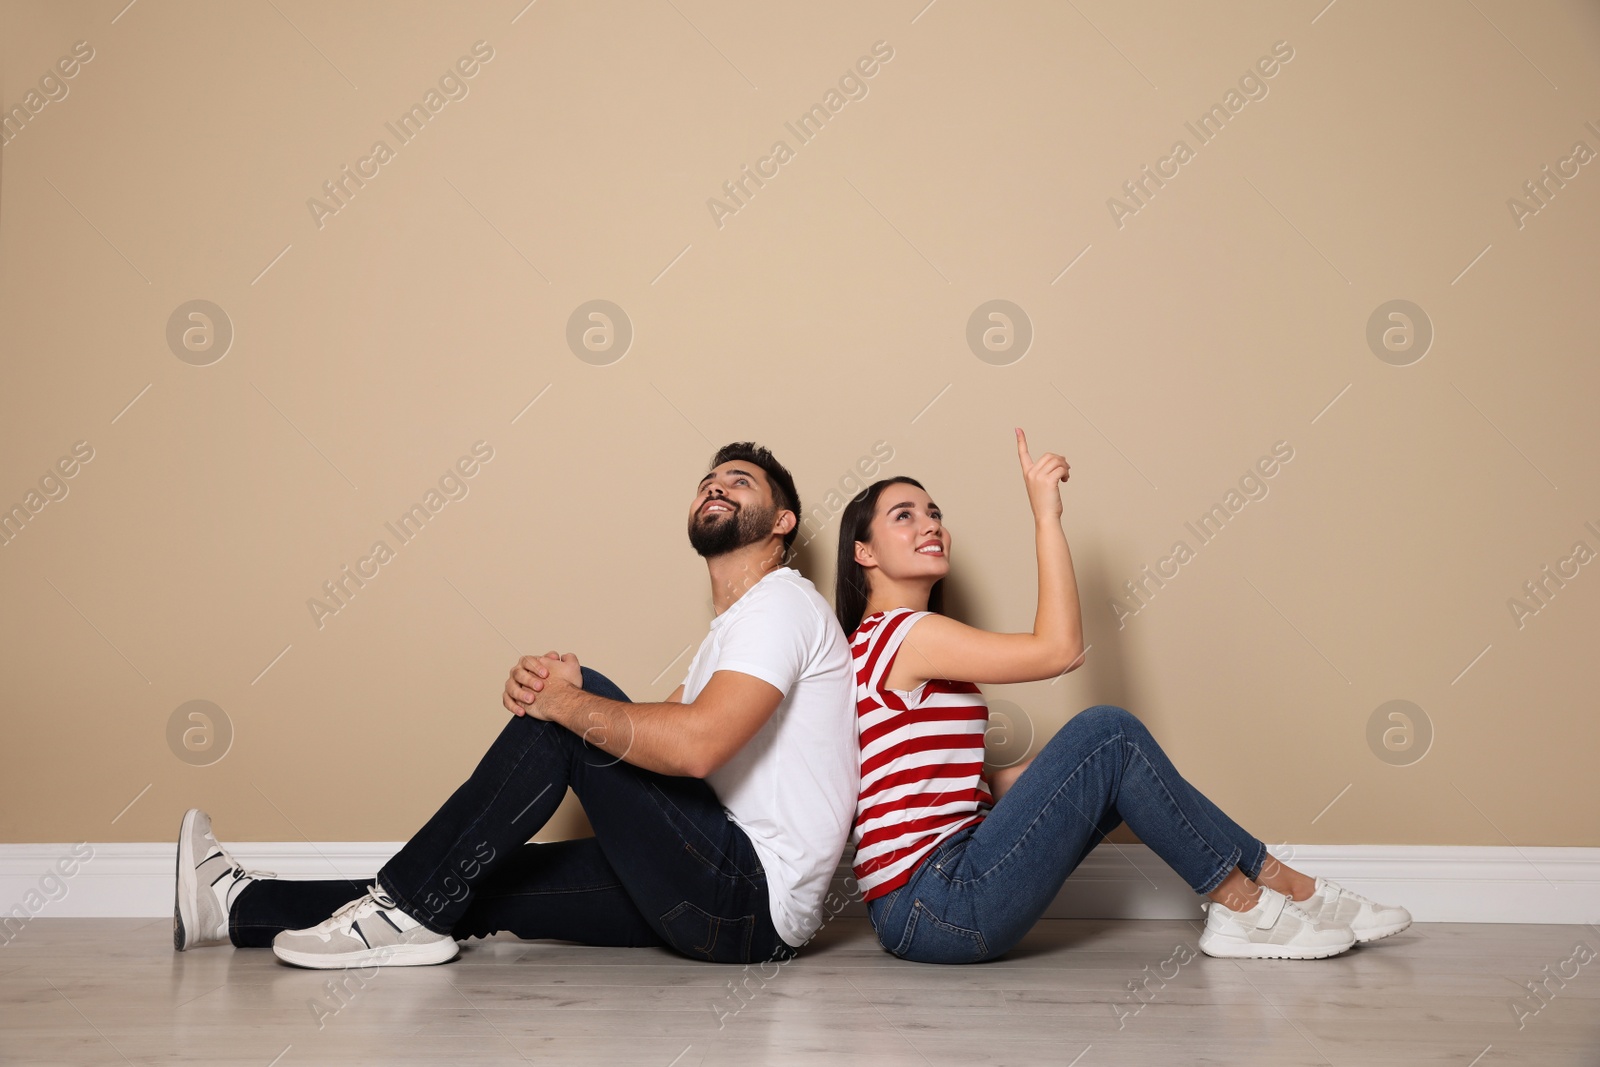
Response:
column 940, row 647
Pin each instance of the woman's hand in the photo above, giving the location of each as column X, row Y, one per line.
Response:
column 937, row 646
column 1043, row 478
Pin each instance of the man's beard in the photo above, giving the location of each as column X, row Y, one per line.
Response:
column 716, row 537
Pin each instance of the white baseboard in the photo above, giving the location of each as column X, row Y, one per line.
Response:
column 135, row 880
column 1438, row 883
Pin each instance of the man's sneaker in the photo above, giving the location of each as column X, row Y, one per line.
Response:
column 1275, row 929
column 209, row 881
column 370, row 930
column 1369, row 920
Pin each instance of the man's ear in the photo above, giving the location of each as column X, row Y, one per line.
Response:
column 786, row 522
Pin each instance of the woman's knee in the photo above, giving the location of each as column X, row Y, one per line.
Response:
column 1109, row 718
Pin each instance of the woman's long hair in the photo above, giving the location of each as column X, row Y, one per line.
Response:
column 850, row 579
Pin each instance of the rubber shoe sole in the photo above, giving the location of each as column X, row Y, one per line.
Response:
column 186, row 887
column 1230, row 949
column 1367, row 936
column 388, row 956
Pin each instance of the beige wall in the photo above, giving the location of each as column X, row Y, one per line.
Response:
column 1189, row 336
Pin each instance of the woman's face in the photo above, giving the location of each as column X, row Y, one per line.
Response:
column 908, row 538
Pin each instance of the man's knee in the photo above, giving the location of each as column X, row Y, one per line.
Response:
column 519, row 729
column 601, row 686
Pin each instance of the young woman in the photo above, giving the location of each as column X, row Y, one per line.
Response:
column 957, row 864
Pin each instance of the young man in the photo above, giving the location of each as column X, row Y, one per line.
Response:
column 719, row 814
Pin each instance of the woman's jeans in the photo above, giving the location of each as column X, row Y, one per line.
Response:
column 975, row 895
column 666, row 865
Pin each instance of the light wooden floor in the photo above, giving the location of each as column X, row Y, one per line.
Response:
column 108, row 991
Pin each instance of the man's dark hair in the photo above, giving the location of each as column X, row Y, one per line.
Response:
column 784, row 495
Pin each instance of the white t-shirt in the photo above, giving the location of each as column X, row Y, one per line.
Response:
column 792, row 787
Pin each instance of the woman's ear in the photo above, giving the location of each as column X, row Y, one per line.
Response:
column 864, row 556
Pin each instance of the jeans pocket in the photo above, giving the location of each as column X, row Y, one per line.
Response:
column 929, row 939
column 696, row 933
column 945, row 859
column 879, row 913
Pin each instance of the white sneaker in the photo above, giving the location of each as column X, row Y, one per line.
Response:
column 209, row 881
column 1275, row 929
column 370, row 930
column 1369, row 920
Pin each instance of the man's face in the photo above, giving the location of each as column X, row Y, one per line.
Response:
column 732, row 508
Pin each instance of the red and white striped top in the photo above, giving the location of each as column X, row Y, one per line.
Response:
column 921, row 758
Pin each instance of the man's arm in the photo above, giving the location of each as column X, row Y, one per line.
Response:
column 528, row 675
column 690, row 740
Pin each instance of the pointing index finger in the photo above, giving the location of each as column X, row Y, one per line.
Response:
column 1022, row 449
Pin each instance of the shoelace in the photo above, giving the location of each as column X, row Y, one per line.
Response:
column 236, row 868
column 235, row 873
column 359, row 908
column 1341, row 891
column 1292, row 905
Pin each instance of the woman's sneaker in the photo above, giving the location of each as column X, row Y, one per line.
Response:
column 1368, row 919
column 368, row 931
column 1275, row 929
column 209, row 881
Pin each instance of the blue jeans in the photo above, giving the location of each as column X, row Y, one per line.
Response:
column 666, row 866
column 974, row 896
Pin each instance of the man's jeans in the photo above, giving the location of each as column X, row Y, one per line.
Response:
column 666, row 865
column 974, row 896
